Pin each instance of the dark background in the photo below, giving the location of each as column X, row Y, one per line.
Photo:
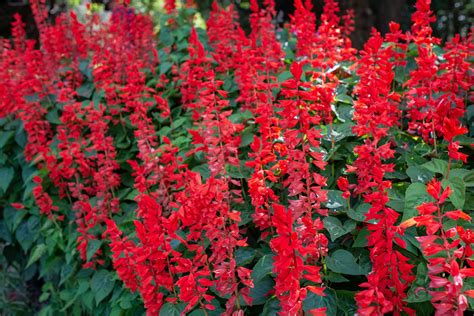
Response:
column 453, row 16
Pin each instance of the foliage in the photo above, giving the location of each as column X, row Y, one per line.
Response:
column 206, row 173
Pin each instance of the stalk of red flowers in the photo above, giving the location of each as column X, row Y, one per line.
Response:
column 376, row 110
column 437, row 117
column 215, row 137
column 449, row 263
column 299, row 249
column 255, row 75
column 225, row 36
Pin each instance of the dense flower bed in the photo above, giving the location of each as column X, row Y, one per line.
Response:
column 177, row 170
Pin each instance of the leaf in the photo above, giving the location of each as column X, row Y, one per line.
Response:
column 6, row 177
column 66, row 272
column 203, row 170
column 336, row 229
column 36, row 254
column 417, row 292
column 92, row 247
column 359, row 214
column 246, row 138
column 12, row 217
column 262, row 268
column 166, row 37
column 415, row 195
column 241, row 117
column 271, row 308
column 342, row 261
column 169, row 309
column 335, row 277
column 335, row 199
column 5, row 137
column 102, row 284
column 436, row 166
column 343, row 98
column 361, row 239
column 419, row 174
column 165, row 66
column 344, row 112
column 285, row 75
column 260, row 292
column 338, row 131
column 328, row 301
column 242, row 172
column 346, row 304
column 244, row 255
column 85, row 90
column 458, row 197
column 466, row 175
column 27, row 232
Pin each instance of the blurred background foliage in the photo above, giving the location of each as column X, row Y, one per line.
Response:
column 454, row 16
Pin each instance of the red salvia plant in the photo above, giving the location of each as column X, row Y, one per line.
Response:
column 215, row 138
column 422, row 104
column 376, row 111
column 224, row 36
column 298, row 249
column 448, row 263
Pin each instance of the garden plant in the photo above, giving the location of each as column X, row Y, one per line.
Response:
column 151, row 166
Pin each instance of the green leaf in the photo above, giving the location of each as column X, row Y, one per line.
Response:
column 436, row 166
column 102, row 284
column 336, row 229
column 246, row 137
column 5, row 137
column 285, row 75
column 344, row 112
column 66, row 272
column 244, row 255
column 465, row 174
column 417, row 292
column 346, row 304
column 240, row 117
column 242, row 172
column 359, row 214
column 85, row 90
column 415, row 195
column 361, row 239
column 271, row 308
column 92, row 247
column 419, row 174
column 458, row 197
column 36, row 254
column 166, row 37
column 259, row 293
column 12, row 217
column 262, row 268
column 53, row 117
column 335, row 199
column 338, row 131
column 328, row 301
column 165, row 66
column 423, row 308
column 342, row 261
column 203, row 170
column 335, row 277
column 6, row 177
column 169, row 309
column 27, row 232
column 343, row 98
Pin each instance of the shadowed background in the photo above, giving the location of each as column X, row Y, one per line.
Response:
column 454, row 16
